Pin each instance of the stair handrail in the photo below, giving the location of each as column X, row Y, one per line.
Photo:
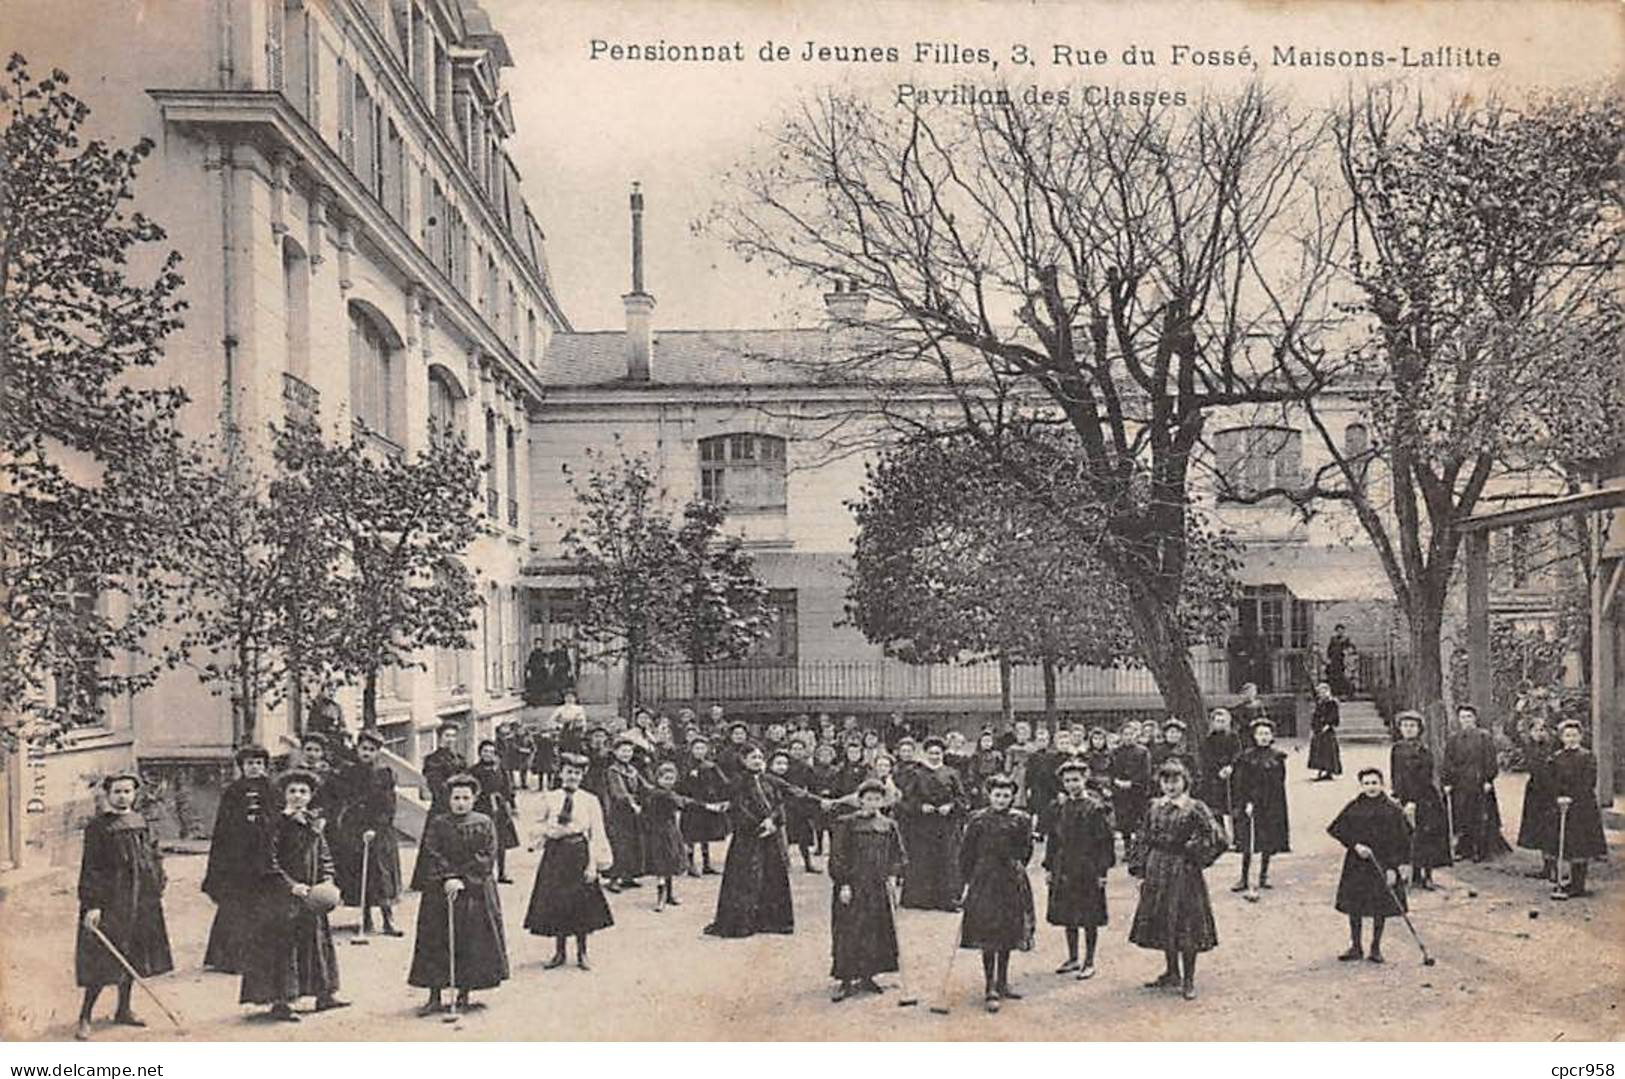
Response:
column 409, row 778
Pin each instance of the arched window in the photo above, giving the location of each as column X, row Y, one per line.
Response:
column 1253, row 459
column 744, row 472
column 374, row 372
column 445, row 404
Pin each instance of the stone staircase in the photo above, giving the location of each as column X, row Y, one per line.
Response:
column 1361, row 723
column 411, row 807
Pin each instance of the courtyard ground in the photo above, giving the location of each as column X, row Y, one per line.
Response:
column 1511, row 964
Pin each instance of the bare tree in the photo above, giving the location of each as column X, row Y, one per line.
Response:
column 1126, row 272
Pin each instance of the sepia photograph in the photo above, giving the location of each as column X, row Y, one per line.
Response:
column 811, row 522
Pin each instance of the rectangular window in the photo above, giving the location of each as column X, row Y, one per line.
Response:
column 780, row 646
column 276, row 21
column 491, row 464
column 347, row 85
column 366, row 138
column 745, row 471
column 512, row 477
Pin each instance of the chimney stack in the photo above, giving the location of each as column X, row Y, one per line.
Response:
column 640, row 305
column 846, row 304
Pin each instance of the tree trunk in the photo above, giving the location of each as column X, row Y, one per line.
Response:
column 1049, row 692
column 629, row 683
column 1007, row 705
column 1425, row 693
column 245, row 705
column 369, row 701
column 1163, row 650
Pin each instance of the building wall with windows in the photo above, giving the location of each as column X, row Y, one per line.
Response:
column 356, row 246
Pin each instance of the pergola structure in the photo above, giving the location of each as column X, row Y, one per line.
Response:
column 1607, row 556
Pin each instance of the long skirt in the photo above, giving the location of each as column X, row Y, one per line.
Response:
column 931, row 878
column 292, row 956
column 663, row 853
column 1430, row 842
column 1076, row 901
column 1477, row 815
column 701, row 825
column 755, row 892
column 482, row 949
column 563, row 902
column 863, row 933
column 1174, row 913
column 231, row 935
column 1362, row 889
column 1582, row 833
column 998, row 910
column 383, row 869
column 1324, row 753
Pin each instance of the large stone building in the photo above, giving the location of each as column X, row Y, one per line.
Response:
column 356, row 245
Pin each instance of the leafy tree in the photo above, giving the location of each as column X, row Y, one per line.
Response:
column 653, row 587
column 1486, row 255
column 89, row 461
column 1127, row 271
column 954, row 561
column 399, row 529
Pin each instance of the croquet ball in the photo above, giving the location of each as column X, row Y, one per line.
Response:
column 1534, row 914
column 1471, row 894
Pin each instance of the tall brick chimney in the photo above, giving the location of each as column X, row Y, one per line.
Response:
column 640, row 305
column 846, row 304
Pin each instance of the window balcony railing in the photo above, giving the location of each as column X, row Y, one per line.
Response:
column 300, row 399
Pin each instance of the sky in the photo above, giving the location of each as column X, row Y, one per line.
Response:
column 588, row 127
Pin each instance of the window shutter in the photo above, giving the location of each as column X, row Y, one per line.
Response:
column 274, row 27
column 346, row 114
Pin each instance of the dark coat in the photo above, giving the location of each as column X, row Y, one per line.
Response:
column 1574, row 775
column 1182, row 838
column 1369, row 887
column 1324, row 753
column 293, row 954
column 932, row 881
column 459, row 848
column 1411, row 774
column 1469, row 763
column 664, row 854
column 1260, row 780
column 1537, row 826
column 993, row 860
column 801, row 811
column 624, row 788
column 865, row 854
column 1219, row 751
column 1081, row 849
column 703, row 784
column 1131, row 762
column 438, row 766
column 366, row 802
column 496, row 801
column 755, row 892
column 232, row 875
column 122, row 875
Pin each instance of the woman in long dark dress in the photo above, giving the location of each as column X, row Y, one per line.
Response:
column 999, row 917
column 366, row 826
column 623, row 790
column 1131, row 790
column 495, row 800
column 1175, row 915
column 866, row 854
column 459, row 849
column 755, row 893
column 121, row 886
column 1079, row 852
column 567, row 900
column 1377, row 840
column 1219, row 752
column 1574, row 783
column 704, row 820
column 1411, row 766
column 232, row 876
column 1325, row 755
column 1468, row 773
column 1258, row 785
column 1537, row 825
column 440, row 765
column 293, row 955
column 934, row 803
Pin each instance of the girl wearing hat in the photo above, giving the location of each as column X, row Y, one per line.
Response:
column 866, row 853
column 567, row 900
column 365, row 830
column 1377, row 840
column 1258, row 788
column 495, row 800
column 293, row 955
column 121, row 884
column 998, row 900
column 460, row 850
column 1079, row 852
column 624, row 788
column 1411, row 765
column 1174, row 915
column 232, row 876
column 1537, row 823
column 1574, row 778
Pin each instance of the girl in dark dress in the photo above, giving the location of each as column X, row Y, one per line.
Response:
column 1537, row 826
column 704, row 819
column 121, row 885
column 459, row 849
column 853, row 771
column 934, row 803
column 440, row 765
column 801, row 814
column 1574, row 781
column 866, row 854
column 622, row 795
column 1131, row 790
column 998, row 901
column 1079, row 852
column 1468, row 773
column 293, row 954
column 1411, row 765
column 755, row 893
column 567, row 900
column 495, row 801
column 1219, row 752
column 985, row 763
column 366, row 827
column 1259, row 786
column 232, row 876
column 1325, row 756
column 826, row 777
column 1174, row 915
column 664, row 855
column 1377, row 840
